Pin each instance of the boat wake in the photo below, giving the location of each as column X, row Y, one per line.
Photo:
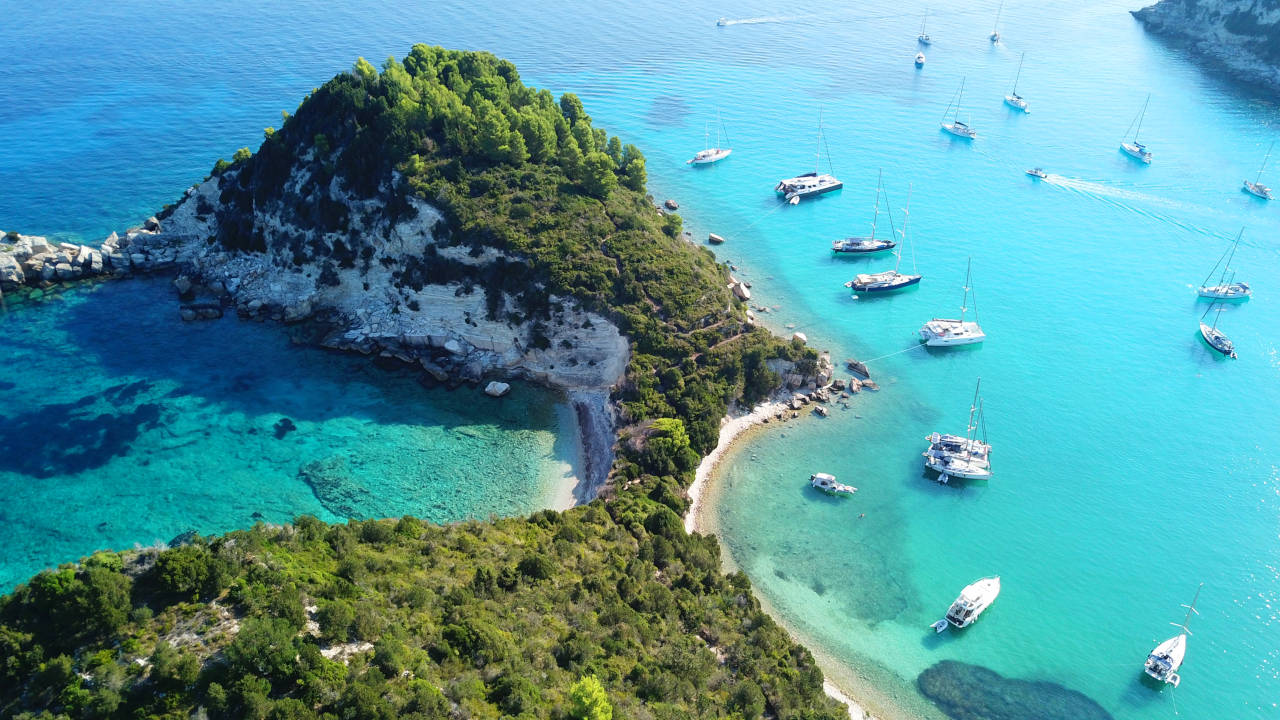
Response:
column 1126, row 199
column 725, row 22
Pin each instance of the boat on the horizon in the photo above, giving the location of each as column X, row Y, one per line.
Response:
column 1256, row 187
column 956, row 127
column 919, row 59
column 1136, row 149
column 962, row 456
column 812, row 183
column 1037, row 173
column 923, row 37
column 973, row 601
column 711, row 153
column 870, row 244
column 1164, row 662
column 827, row 484
column 995, row 29
column 941, row 332
column 1013, row 99
column 1226, row 288
column 1217, row 339
column 889, row 279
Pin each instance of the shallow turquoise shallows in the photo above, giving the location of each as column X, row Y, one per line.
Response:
column 1131, row 463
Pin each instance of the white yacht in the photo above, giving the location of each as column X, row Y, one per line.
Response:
column 1226, row 288
column 864, row 245
column 1163, row 662
column 1256, row 187
column 974, row 599
column 919, row 59
column 711, row 153
column 1038, row 173
column 1013, row 99
column 995, row 29
column 812, row 183
column 1136, row 149
column 955, row 127
column 923, row 37
column 961, row 456
column 827, row 484
column 1217, row 339
column 942, row 332
column 889, row 279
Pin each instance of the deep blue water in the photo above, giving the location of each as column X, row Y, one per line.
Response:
column 1131, row 463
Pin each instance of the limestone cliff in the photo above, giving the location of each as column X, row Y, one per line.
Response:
column 1241, row 35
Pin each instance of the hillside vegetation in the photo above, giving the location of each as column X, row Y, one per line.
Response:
column 510, row 618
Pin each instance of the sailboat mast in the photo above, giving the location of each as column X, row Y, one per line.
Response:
column 1264, row 162
column 706, row 134
column 817, row 156
column 973, row 408
column 1190, row 610
column 876, row 216
column 1141, row 116
column 964, row 305
column 924, row 20
column 960, row 99
column 996, row 27
column 906, row 221
column 1230, row 257
column 1018, row 77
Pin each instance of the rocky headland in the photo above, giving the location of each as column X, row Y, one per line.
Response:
column 1242, row 36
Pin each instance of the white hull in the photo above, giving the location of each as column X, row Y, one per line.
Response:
column 1234, row 291
column 944, row 333
column 973, row 601
column 709, row 156
column 1136, row 151
column 1258, row 190
column 960, row 130
column 1017, row 103
column 948, row 469
column 1163, row 662
column 827, row 484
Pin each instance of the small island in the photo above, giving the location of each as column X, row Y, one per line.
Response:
column 439, row 213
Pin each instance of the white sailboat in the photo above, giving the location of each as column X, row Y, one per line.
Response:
column 1163, row 662
column 919, row 59
column 1136, row 149
column 995, row 29
column 1256, row 187
column 1226, row 288
column 711, row 153
column 812, row 183
column 963, row 457
column 827, row 484
column 941, row 332
column 889, row 279
column 973, row 601
column 923, row 37
column 1217, row 339
column 864, row 245
column 955, row 127
column 1013, row 99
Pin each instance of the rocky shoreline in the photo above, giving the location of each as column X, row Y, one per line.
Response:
column 1241, row 37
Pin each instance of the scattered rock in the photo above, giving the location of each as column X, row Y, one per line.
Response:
column 152, row 224
column 182, row 284
column 283, row 427
column 497, row 389
column 671, row 204
column 715, row 239
column 804, row 339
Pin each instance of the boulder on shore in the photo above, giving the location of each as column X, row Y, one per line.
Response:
column 497, row 389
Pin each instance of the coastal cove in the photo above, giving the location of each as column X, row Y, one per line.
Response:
column 1130, row 463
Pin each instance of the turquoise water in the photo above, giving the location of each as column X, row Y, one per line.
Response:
column 1131, row 464
column 125, row 425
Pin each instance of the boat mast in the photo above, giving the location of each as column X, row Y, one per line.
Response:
column 924, row 20
column 706, row 134
column 964, row 305
column 817, row 156
column 1230, row 257
column 876, row 216
column 959, row 99
column 1264, row 162
column 906, row 220
column 1190, row 609
column 1018, row 77
column 973, row 409
column 995, row 29
column 1141, row 116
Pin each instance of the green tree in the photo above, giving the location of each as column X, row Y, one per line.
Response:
column 598, row 179
column 634, row 174
column 365, row 70
column 589, row 701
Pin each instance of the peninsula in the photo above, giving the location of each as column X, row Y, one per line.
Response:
column 440, row 213
column 1242, row 36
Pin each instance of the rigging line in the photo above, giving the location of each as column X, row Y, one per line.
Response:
column 898, row 352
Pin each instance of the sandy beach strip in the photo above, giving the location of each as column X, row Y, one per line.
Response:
column 730, row 429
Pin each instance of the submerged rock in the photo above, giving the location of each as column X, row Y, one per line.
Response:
column 283, row 427
column 973, row 692
column 497, row 389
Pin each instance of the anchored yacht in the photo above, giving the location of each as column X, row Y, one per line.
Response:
column 812, row 183
column 889, row 279
column 941, row 332
column 871, row 244
column 1013, row 99
column 919, row 59
column 973, row 600
column 827, row 484
column 956, row 127
column 1136, row 149
column 923, row 37
column 1256, row 187
column 1163, row 662
column 1217, row 339
column 962, row 456
column 711, row 153
column 1226, row 288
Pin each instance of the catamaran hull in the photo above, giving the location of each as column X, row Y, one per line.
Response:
column 950, row 341
column 810, row 193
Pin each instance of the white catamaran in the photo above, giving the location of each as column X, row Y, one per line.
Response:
column 955, row 127
column 923, row 37
column 1256, row 187
column 1136, row 149
column 864, row 245
column 1013, row 99
column 963, row 457
column 812, row 183
column 941, row 332
column 974, row 599
column 889, row 279
column 1163, row 662
column 711, row 153
column 1226, row 288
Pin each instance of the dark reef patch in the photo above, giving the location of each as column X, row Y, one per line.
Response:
column 972, row 692
column 283, row 427
column 331, row 481
column 667, row 111
column 68, row 438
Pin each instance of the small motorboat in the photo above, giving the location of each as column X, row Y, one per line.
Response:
column 1038, row 173
column 722, row 22
column 939, row 626
column 827, row 484
column 973, row 600
column 919, row 59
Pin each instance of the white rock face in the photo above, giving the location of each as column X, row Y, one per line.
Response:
column 1243, row 35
